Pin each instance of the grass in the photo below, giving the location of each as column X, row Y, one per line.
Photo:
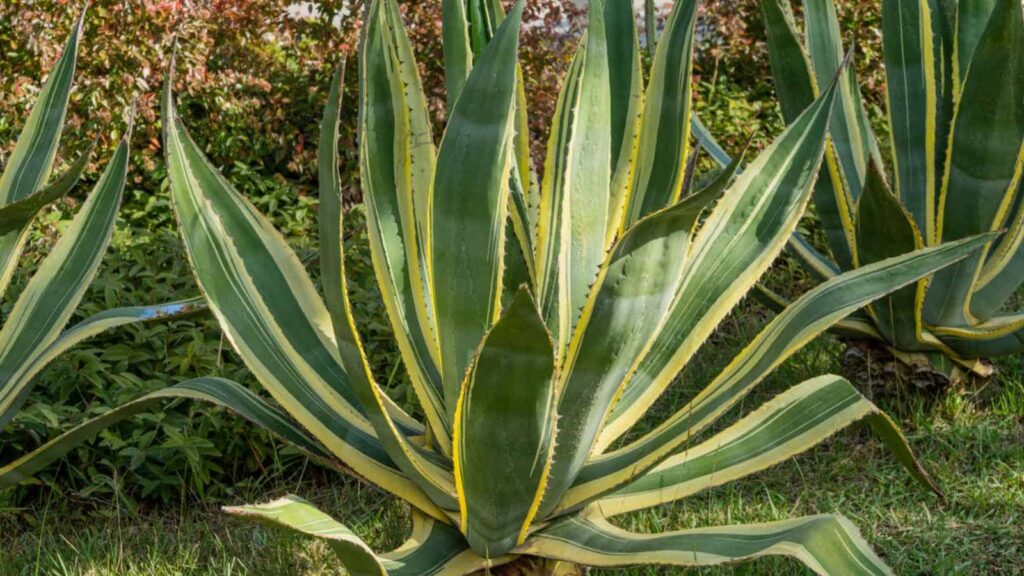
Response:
column 972, row 439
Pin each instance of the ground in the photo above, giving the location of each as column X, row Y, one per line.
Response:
column 971, row 438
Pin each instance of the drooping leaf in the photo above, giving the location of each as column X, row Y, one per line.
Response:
column 826, row 544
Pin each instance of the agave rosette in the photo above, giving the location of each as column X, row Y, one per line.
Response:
column 955, row 89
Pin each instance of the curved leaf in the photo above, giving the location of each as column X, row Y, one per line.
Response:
column 828, row 545
column 53, row 293
column 31, row 161
column 791, row 423
column 215, row 390
column 802, row 321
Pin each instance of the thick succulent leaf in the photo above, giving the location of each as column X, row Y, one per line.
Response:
column 435, row 548
column 850, row 130
column 801, row 322
column 470, row 200
column 53, row 293
column 985, row 162
column 999, row 336
column 665, row 127
column 884, row 230
column 1003, row 271
column 31, row 161
column 828, row 545
column 458, row 53
column 789, row 424
column 295, row 514
column 796, row 86
column 625, row 76
column 214, row 390
column 735, row 245
column 433, row 475
column 634, row 290
column 396, row 167
column 269, row 310
column 913, row 57
column 972, row 18
column 18, row 214
column 576, row 193
column 511, row 382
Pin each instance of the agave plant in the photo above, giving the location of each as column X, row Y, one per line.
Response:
column 31, row 334
column 527, row 389
column 955, row 79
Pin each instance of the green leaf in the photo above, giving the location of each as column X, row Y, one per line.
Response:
column 665, row 128
column 396, row 169
column 18, row 214
column 913, row 58
column 500, row 489
column 634, row 291
column 985, row 162
column 789, row 424
column 458, row 53
column 295, row 514
column 214, row 390
column 53, row 293
column 626, row 80
column 735, row 245
column 576, row 193
column 885, row 230
column 31, row 161
column 270, row 312
column 796, row 86
column 801, row 322
column 470, row 201
column 850, row 130
column 827, row 544
column 432, row 475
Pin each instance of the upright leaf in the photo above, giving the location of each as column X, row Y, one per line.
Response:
column 31, row 161
column 576, row 194
column 985, row 162
column 469, row 206
column 912, row 66
column 53, row 293
column 885, row 230
column 500, row 489
column 396, row 154
column 796, row 86
column 665, row 128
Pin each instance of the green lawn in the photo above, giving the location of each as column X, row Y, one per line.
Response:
column 972, row 439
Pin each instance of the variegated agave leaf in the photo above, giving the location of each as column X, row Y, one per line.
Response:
column 31, row 334
column 955, row 75
column 526, row 393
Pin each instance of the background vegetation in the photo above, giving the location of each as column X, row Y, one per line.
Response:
column 251, row 81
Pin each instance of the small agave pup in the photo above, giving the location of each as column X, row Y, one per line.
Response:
column 31, row 334
column 955, row 85
column 528, row 378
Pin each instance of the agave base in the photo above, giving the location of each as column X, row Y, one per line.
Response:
column 536, row 567
column 867, row 362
